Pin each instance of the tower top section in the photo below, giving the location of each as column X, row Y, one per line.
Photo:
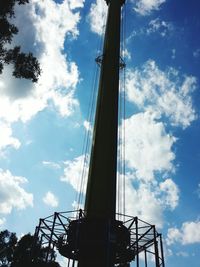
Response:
column 122, row 2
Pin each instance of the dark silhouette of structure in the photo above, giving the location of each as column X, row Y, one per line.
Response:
column 94, row 237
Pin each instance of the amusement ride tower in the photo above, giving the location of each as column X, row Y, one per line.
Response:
column 95, row 238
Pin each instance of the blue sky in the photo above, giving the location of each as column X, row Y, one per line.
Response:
column 42, row 126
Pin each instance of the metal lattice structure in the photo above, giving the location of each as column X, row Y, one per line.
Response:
column 144, row 247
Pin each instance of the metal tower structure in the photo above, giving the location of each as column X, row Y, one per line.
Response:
column 96, row 238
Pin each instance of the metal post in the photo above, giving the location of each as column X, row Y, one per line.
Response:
column 137, row 245
column 51, row 235
column 162, row 253
column 145, row 257
column 156, row 248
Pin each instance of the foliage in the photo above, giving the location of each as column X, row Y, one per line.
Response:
column 7, row 244
column 21, row 253
column 25, row 65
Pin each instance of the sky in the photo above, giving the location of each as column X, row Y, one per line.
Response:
column 43, row 125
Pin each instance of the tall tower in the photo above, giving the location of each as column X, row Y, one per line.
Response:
column 102, row 237
column 103, row 163
column 96, row 238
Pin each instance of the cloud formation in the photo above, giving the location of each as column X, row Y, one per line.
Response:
column 6, row 138
column 144, row 203
column 189, row 233
column 171, row 193
column 159, row 26
column 50, row 199
column 76, row 4
column 76, row 172
column 145, row 7
column 165, row 93
column 97, row 16
column 12, row 194
column 98, row 11
column 148, row 146
column 43, row 27
column 148, row 201
column 51, row 165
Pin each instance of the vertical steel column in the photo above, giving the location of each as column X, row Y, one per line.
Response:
column 101, row 188
column 145, row 257
column 50, row 239
column 162, row 253
column 156, row 247
column 137, row 245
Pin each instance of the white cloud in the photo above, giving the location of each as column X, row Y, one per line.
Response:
column 149, row 156
column 148, row 146
column 159, row 26
column 189, row 233
column 39, row 22
column 151, row 200
column 75, row 173
column 51, row 165
column 50, row 199
column 126, row 54
column 173, row 235
column 12, row 195
column 171, row 193
column 97, row 16
column 76, row 3
column 6, row 138
column 165, row 93
column 145, row 7
column 148, row 207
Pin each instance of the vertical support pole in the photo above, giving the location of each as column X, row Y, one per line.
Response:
column 51, row 235
column 162, row 252
column 145, row 257
column 137, row 245
column 156, row 247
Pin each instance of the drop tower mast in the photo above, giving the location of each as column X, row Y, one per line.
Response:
column 97, row 238
column 102, row 238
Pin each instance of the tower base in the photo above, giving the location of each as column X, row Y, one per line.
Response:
column 100, row 243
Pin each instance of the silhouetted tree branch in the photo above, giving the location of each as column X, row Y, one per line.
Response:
column 25, row 65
